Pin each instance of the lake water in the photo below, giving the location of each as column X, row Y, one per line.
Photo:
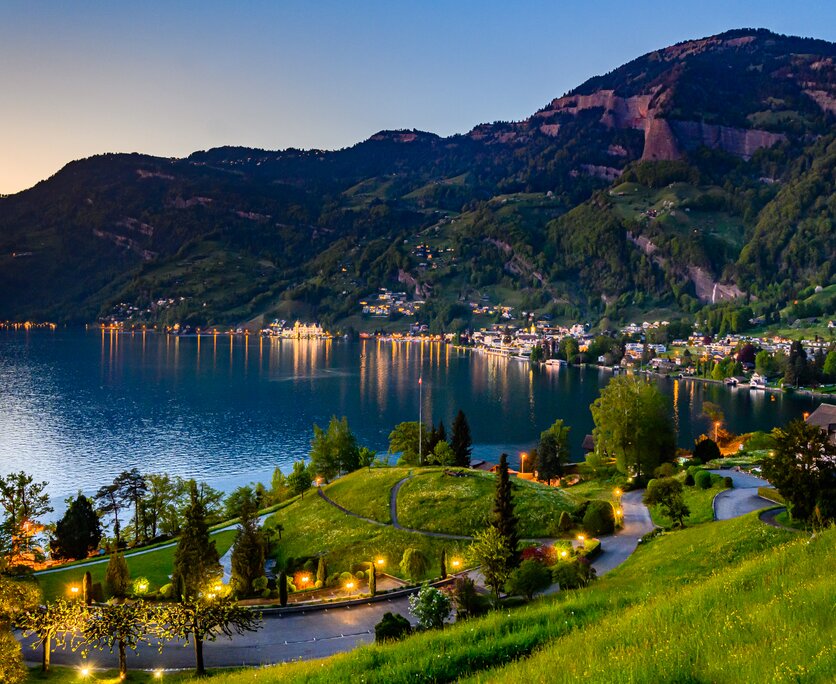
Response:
column 77, row 408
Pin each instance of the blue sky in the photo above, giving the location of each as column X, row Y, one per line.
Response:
column 167, row 78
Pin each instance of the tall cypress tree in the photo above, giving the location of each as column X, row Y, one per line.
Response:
column 78, row 532
column 461, row 440
column 503, row 518
column 249, row 550
column 196, row 560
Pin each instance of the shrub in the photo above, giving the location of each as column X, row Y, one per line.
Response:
column 414, row 563
column 689, row 479
column 360, row 574
column 167, row 591
column 573, row 574
column 266, row 593
column 728, row 482
column 430, row 606
column 260, row 584
column 771, row 494
column 530, row 578
column 665, row 470
column 117, row 575
column 579, row 513
column 333, row 580
column 599, row 518
column 283, row 588
column 566, row 523
column 468, row 601
column 141, row 586
column 392, row 627
column 703, row 479
column 318, row 584
column 346, row 577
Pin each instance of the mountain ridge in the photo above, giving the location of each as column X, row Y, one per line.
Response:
column 315, row 230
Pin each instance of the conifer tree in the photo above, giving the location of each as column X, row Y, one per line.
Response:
column 443, row 563
column 78, row 532
column 321, row 570
column 117, row 575
column 461, row 440
column 249, row 549
column 372, row 580
column 196, row 560
column 503, row 518
column 282, row 588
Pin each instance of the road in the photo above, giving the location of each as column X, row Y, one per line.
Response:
column 742, row 499
column 283, row 637
column 617, row 548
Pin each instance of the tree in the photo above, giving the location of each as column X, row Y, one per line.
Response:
column 131, row 487
column 599, row 518
column 443, row 564
column 23, row 501
column 278, row 486
column 461, row 440
column 706, row 450
column 117, row 575
column 123, row 625
column 249, row 549
column 108, row 502
column 241, row 498
column 437, row 436
column 829, row 367
column 568, row 349
column 321, row 570
column 414, row 563
column 442, row 455
column 159, row 509
column 372, row 579
column 299, row 479
column 282, row 582
column 365, row 457
column 203, row 619
column 632, row 424
column 12, row 668
column 17, row 600
column 798, row 370
column 430, row 607
column 196, row 560
column 667, row 493
column 532, row 576
column 552, row 451
column 502, row 516
column 78, row 532
column 490, row 551
column 335, row 451
column 404, row 439
column 467, row 599
column 391, row 627
column 765, row 363
column 802, row 468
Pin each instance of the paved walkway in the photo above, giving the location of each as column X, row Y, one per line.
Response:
column 617, row 548
column 742, row 499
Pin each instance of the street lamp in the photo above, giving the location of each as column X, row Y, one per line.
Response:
column 380, row 562
column 349, row 585
column 456, row 563
column 522, row 461
column 73, row 590
column 716, row 427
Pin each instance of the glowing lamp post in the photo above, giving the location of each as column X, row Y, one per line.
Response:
column 523, row 456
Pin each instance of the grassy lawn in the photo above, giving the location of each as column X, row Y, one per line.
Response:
column 595, row 489
column 70, row 675
column 313, row 526
column 461, row 505
column 156, row 566
column 366, row 492
column 647, row 606
column 698, row 501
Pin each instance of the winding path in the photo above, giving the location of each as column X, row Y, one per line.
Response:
column 742, row 499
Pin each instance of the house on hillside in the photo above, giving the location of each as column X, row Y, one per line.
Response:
column 824, row 417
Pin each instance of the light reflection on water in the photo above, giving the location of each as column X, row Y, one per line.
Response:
column 77, row 408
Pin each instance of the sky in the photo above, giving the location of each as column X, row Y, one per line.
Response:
column 171, row 77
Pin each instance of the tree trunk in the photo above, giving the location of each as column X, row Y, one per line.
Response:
column 47, row 654
column 123, row 660
column 200, row 669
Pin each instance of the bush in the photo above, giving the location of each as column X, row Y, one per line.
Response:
column 266, row 593
column 689, row 479
column 468, row 601
column 665, row 470
column 566, row 523
column 414, row 563
column 579, row 513
column 167, row 591
column 703, row 479
column 318, row 584
column 333, row 580
column 392, row 627
column 346, row 577
column 599, row 518
column 771, row 494
column 573, row 574
column 430, row 606
column 260, row 584
column 360, row 575
column 528, row 579
column 728, row 482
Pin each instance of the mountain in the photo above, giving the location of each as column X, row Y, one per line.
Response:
column 698, row 175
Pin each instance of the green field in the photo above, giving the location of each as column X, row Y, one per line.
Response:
column 155, row 566
column 313, row 527
column 366, row 492
column 461, row 505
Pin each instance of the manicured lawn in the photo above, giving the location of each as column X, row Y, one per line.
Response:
column 438, row 502
column 595, row 489
column 313, row 526
column 156, row 566
column 366, row 492
column 698, row 501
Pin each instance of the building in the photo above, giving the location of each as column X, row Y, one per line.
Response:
column 824, row 417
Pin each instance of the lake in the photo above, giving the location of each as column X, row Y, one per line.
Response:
column 77, row 408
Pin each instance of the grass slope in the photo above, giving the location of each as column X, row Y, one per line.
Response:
column 461, row 505
column 366, row 492
column 155, row 566
column 699, row 502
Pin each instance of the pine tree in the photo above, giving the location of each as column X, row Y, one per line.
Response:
column 503, row 518
column 78, row 532
column 443, row 563
column 321, row 570
column 196, row 560
column 461, row 440
column 249, row 550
